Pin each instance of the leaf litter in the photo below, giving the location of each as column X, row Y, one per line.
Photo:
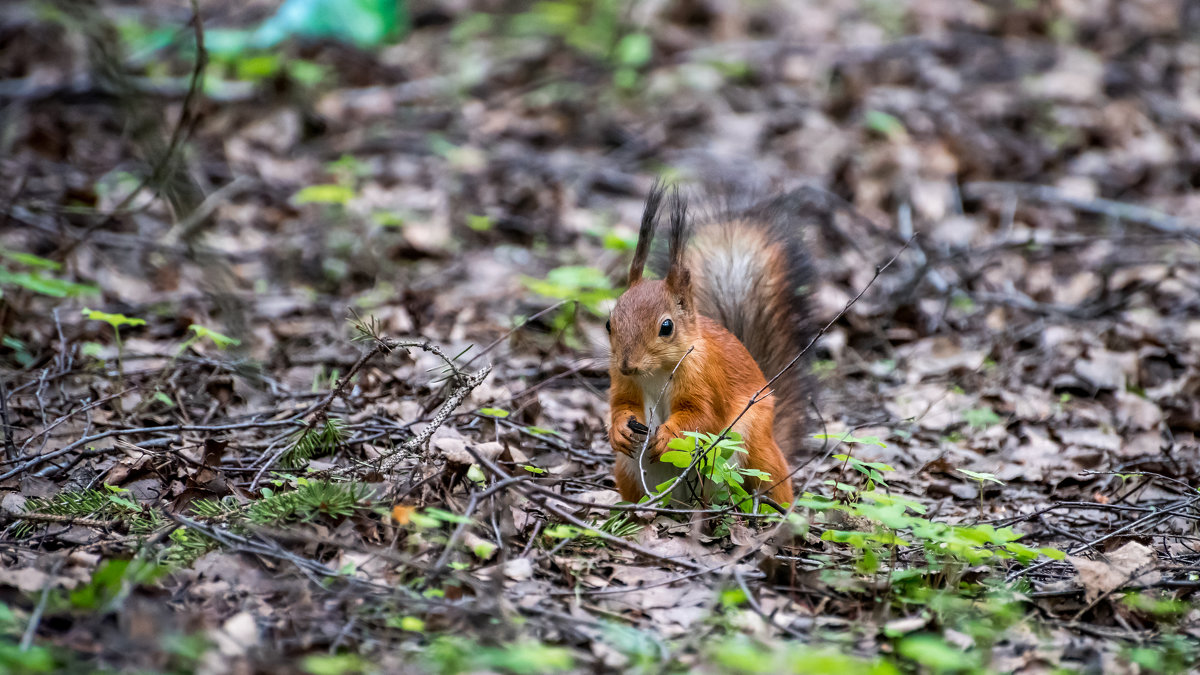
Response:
column 1040, row 329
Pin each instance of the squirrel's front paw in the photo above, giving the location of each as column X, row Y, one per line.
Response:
column 658, row 445
column 627, row 435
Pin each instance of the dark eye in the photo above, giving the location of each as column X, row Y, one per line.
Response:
column 666, row 328
column 608, row 326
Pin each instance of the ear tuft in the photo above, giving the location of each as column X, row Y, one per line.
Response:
column 646, row 232
column 679, row 278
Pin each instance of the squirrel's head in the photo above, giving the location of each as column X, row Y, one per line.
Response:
column 653, row 323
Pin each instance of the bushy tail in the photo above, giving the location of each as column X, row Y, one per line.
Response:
column 752, row 273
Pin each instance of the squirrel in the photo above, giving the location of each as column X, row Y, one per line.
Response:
column 689, row 351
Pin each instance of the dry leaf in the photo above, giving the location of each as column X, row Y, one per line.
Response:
column 1131, row 565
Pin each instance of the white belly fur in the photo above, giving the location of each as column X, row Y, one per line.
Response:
column 655, row 390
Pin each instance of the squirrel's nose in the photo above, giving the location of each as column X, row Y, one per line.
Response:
column 626, row 369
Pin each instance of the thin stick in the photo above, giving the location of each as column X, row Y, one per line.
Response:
column 10, row 447
column 36, row 618
column 1141, row 215
column 185, row 114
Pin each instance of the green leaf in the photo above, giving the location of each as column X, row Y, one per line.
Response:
column 981, row 477
column 29, row 260
column 981, row 418
column 562, row 531
column 220, row 340
column 686, row 445
column 619, row 240
column 679, row 459
column 409, row 623
column 1052, row 553
column 850, row 438
column 934, row 653
column 634, row 50
column 164, row 399
column 475, row 475
column 114, row 320
column 534, row 469
column 447, row 516
column 494, row 412
column 423, row 521
column 333, row 664
column 328, row 193
column 479, row 223
column 307, row 73
column 384, row 218
column 483, row 549
column 885, row 125
column 36, row 283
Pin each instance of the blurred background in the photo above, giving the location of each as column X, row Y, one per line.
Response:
column 417, row 157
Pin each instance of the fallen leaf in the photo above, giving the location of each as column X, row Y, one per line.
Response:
column 1131, row 565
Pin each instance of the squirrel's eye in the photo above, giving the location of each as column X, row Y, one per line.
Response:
column 608, row 326
column 666, row 328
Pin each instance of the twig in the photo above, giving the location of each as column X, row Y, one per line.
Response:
column 1105, row 207
column 65, row 520
column 185, row 114
column 458, row 532
column 516, row 328
column 390, row 460
column 1092, row 544
column 174, row 428
column 35, row 619
column 554, row 508
column 10, row 447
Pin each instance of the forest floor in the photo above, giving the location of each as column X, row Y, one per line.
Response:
column 237, row 307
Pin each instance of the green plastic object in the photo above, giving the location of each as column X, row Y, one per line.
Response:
column 363, row 23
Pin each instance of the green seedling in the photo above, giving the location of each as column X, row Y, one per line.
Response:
column 116, row 321
column 980, row 478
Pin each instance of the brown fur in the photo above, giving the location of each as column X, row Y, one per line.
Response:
column 710, row 386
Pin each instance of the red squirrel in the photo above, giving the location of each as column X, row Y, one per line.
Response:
column 731, row 305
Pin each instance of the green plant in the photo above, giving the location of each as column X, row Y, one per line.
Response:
column 112, row 582
column 871, row 470
column 109, row 503
column 18, row 658
column 588, row 285
column 980, row 478
column 981, row 418
column 595, row 29
column 886, row 125
column 201, row 332
column 712, row 456
column 738, row 653
column 310, row 500
column 900, row 522
column 334, row 664
column 454, row 654
column 1170, row 654
column 116, row 321
column 27, row 271
column 35, row 659
column 313, row 441
column 938, row 656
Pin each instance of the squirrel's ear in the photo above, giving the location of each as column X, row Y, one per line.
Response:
column 679, row 278
column 646, row 233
